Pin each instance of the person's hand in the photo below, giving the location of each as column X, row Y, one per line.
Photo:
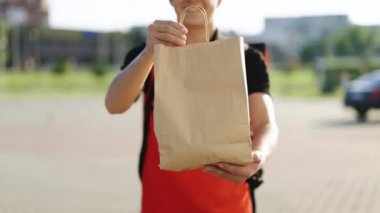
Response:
column 168, row 33
column 237, row 173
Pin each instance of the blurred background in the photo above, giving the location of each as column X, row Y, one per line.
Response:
column 61, row 152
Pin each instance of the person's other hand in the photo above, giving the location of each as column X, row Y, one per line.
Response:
column 168, row 33
column 237, row 173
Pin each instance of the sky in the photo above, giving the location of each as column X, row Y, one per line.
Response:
column 242, row 16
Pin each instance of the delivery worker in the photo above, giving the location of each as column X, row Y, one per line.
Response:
column 223, row 187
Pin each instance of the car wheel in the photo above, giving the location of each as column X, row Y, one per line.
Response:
column 362, row 114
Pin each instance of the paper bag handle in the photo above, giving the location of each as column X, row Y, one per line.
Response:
column 204, row 13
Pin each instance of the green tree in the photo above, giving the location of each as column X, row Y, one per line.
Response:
column 137, row 35
column 314, row 49
column 356, row 40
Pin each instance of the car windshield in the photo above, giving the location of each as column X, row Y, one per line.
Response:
column 367, row 82
column 374, row 75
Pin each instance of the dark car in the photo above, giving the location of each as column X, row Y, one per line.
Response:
column 364, row 94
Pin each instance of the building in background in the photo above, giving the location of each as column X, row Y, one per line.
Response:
column 24, row 12
column 15, row 15
column 43, row 47
column 27, row 42
column 287, row 36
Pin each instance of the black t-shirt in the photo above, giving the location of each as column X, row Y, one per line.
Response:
column 256, row 69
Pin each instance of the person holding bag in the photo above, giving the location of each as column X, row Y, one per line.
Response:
column 217, row 187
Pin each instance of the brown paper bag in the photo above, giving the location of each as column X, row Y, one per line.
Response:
column 201, row 105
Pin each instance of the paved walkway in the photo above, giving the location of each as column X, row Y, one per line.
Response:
column 69, row 156
column 326, row 162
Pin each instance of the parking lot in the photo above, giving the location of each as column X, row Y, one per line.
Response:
column 68, row 155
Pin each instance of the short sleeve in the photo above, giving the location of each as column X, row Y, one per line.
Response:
column 256, row 72
column 132, row 54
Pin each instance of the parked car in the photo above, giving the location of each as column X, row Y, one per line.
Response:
column 364, row 94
